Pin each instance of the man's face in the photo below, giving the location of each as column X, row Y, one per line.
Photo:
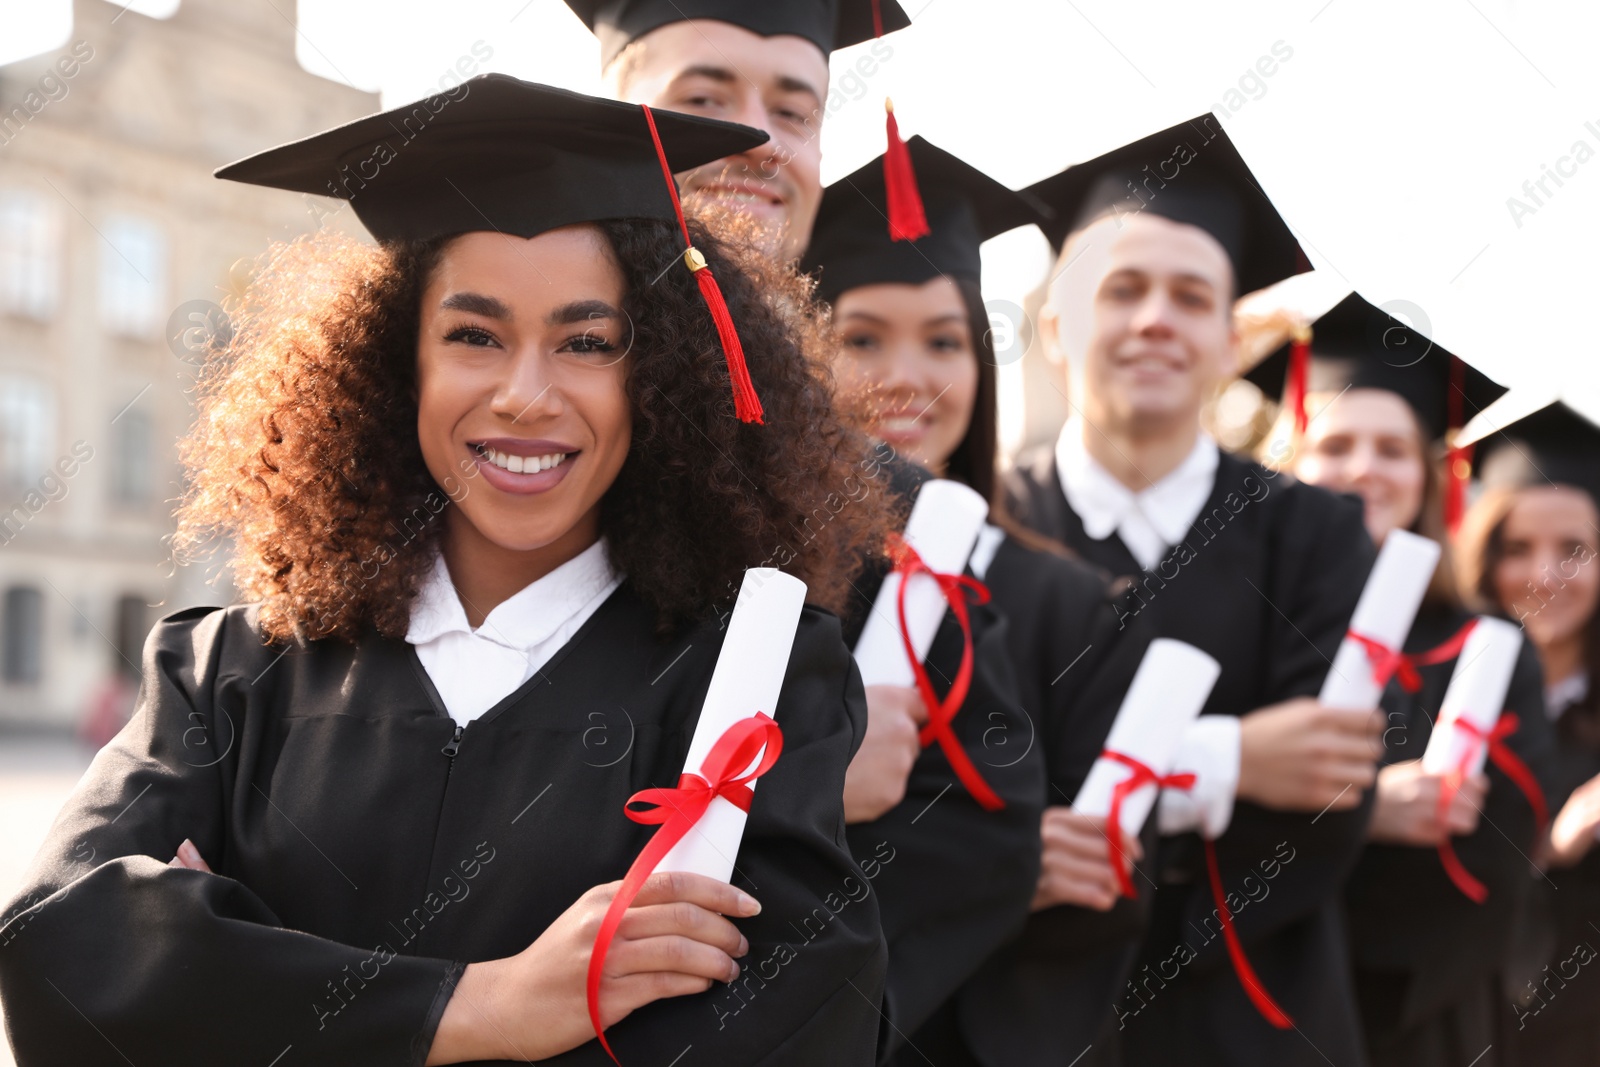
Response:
column 777, row 84
column 1142, row 310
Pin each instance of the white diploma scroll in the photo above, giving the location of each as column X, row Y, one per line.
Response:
column 1476, row 694
column 943, row 527
column 1168, row 691
column 747, row 679
column 1387, row 607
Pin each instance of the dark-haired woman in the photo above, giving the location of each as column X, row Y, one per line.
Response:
column 487, row 494
column 915, row 355
column 1427, row 958
column 1530, row 549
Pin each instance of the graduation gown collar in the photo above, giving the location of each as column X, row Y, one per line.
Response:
column 527, row 618
column 1149, row 521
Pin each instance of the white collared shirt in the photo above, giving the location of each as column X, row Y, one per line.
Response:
column 1562, row 694
column 1150, row 521
column 474, row 670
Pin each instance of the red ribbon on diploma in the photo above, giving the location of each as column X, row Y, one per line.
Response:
column 676, row 811
column 1142, row 776
column 1502, row 756
column 1391, row 662
column 955, row 588
column 1241, row 963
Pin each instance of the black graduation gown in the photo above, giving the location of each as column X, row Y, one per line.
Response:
column 1553, row 1015
column 1047, row 995
column 357, row 865
column 1427, row 959
column 953, row 881
column 1265, row 582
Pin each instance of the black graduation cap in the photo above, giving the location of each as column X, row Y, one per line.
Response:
column 506, row 155
column 1358, row 346
column 518, row 158
column 850, row 246
column 1190, row 173
column 828, row 24
column 1554, row 445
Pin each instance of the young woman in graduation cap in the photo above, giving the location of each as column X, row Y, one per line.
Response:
column 1527, row 549
column 916, row 360
column 488, row 495
column 1427, row 946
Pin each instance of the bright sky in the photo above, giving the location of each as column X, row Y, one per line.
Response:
column 1393, row 136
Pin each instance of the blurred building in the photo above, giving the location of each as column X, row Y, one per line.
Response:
column 115, row 246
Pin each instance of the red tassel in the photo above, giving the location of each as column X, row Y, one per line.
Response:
column 907, row 221
column 1458, row 461
column 1294, row 393
column 1458, row 468
column 746, row 404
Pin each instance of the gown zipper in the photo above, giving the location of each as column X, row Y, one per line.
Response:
column 451, row 747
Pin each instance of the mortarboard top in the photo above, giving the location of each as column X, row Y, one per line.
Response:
column 517, row 158
column 850, row 245
column 1554, row 445
column 1190, row 173
column 1358, row 346
column 828, row 24
column 508, row 155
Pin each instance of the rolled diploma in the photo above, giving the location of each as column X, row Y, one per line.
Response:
column 1477, row 693
column 1169, row 689
column 943, row 527
column 747, row 679
column 1387, row 607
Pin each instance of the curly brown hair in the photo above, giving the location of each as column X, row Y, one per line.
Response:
column 305, row 453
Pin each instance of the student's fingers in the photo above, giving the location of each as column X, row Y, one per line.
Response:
column 1076, row 840
column 1342, row 745
column 1084, row 892
column 1461, row 817
column 680, row 955
column 666, row 886
column 896, row 701
column 189, row 858
column 1368, row 725
column 686, row 920
column 1358, row 774
column 1077, row 869
column 622, row 995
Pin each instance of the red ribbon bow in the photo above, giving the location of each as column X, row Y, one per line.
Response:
column 1391, row 662
column 955, row 588
column 676, row 811
column 1142, row 776
column 1513, row 767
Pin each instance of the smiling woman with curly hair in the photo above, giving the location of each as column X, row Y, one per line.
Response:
column 490, row 504
column 307, row 454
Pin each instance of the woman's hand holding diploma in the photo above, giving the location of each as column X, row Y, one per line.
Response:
column 876, row 779
column 1075, row 866
column 675, row 940
column 1406, row 811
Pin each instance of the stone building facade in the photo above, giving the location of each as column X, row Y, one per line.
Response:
column 116, row 246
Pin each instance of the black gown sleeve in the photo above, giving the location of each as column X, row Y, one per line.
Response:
column 1320, row 562
column 1420, row 945
column 1050, row 992
column 110, row 956
column 954, row 881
